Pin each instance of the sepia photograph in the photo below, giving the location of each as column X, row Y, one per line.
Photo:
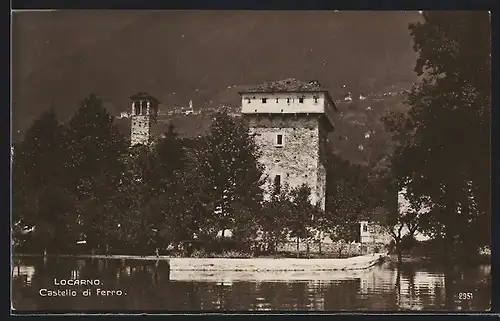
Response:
column 193, row 161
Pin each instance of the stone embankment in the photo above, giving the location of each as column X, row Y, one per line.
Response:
column 269, row 264
column 251, row 264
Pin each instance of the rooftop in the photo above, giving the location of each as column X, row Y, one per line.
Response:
column 144, row 96
column 292, row 85
column 288, row 85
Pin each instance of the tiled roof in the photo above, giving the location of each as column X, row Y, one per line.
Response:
column 144, row 96
column 288, row 85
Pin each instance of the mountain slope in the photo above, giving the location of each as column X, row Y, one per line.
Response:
column 196, row 55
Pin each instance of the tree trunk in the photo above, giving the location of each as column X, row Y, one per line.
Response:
column 398, row 285
column 397, row 246
column 298, row 247
column 307, row 244
column 400, row 257
column 340, row 249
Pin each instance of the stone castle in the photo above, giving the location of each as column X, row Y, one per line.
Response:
column 289, row 120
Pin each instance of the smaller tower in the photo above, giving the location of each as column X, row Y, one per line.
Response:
column 144, row 117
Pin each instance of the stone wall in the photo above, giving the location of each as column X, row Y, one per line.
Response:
column 351, row 249
column 297, row 160
column 142, row 129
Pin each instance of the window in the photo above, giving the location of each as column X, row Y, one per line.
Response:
column 137, row 108
column 301, row 100
column 249, row 100
column 277, row 100
column 288, row 100
column 365, row 228
column 264, row 100
column 315, row 100
column 277, row 184
column 279, row 140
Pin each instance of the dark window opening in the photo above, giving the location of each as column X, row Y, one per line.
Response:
column 301, row 100
column 249, row 100
column 277, row 184
column 288, row 100
column 365, row 228
column 277, row 100
column 315, row 100
column 264, row 100
column 144, row 106
column 279, row 139
column 137, row 108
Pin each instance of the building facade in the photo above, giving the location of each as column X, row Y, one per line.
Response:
column 290, row 121
column 144, row 117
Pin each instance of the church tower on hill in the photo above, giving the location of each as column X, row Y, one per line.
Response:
column 290, row 121
column 144, row 118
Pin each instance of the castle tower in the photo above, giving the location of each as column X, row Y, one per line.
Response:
column 144, row 117
column 290, row 121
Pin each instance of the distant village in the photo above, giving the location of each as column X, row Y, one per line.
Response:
column 235, row 111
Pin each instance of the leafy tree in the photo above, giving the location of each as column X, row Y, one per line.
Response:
column 273, row 219
column 93, row 163
column 300, row 221
column 443, row 150
column 138, row 194
column 39, row 200
column 233, row 175
column 171, row 154
column 93, row 145
column 182, row 203
column 348, row 195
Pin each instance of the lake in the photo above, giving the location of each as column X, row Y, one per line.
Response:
column 149, row 285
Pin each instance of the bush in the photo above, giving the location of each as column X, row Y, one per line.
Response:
column 235, row 254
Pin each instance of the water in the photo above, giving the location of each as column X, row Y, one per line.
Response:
column 149, row 285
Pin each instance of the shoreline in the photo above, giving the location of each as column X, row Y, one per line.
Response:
column 242, row 264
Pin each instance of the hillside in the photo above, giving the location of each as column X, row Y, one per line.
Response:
column 359, row 137
column 61, row 57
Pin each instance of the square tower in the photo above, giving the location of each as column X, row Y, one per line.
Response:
column 144, row 117
column 290, row 121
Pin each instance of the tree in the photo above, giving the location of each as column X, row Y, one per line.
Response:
column 39, row 199
column 443, row 150
column 93, row 145
column 137, row 201
column 348, row 194
column 93, row 149
column 233, row 176
column 273, row 219
column 300, row 221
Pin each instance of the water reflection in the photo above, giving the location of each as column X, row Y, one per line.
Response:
column 149, row 285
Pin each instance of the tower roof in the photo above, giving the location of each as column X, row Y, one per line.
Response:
column 288, row 85
column 292, row 85
column 144, row 96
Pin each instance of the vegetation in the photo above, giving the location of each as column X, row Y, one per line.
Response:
column 80, row 180
column 442, row 152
